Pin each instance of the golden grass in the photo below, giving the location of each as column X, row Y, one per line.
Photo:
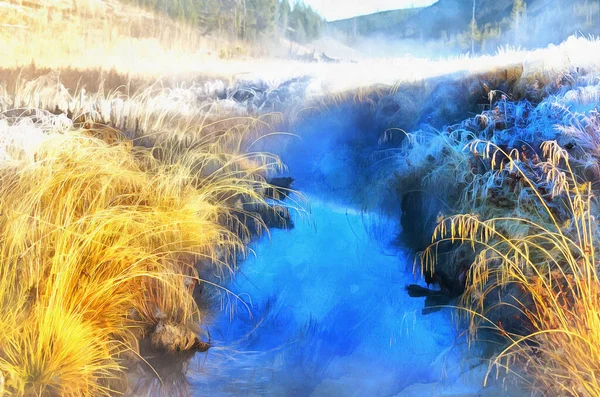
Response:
column 99, row 243
column 548, row 276
column 93, row 33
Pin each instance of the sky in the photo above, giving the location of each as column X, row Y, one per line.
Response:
column 341, row 9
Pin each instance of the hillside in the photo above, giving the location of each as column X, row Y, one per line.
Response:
column 93, row 33
column 447, row 22
column 142, row 37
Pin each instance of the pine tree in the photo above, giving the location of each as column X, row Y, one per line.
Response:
column 473, row 30
column 518, row 13
column 284, row 14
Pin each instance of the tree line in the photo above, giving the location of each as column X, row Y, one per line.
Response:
column 551, row 23
column 248, row 20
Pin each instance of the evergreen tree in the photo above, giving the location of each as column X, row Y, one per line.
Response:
column 284, row 14
column 473, row 30
column 305, row 23
column 518, row 13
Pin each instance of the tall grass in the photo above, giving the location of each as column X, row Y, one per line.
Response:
column 101, row 242
column 548, row 275
column 93, row 33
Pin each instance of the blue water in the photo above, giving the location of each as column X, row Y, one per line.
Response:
column 330, row 316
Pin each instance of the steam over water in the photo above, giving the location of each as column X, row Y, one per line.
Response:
column 332, row 315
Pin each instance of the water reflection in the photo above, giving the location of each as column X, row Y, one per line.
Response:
column 331, row 317
column 162, row 375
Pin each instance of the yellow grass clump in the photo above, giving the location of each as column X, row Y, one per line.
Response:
column 548, row 276
column 99, row 241
column 93, row 33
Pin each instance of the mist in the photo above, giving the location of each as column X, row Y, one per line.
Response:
column 329, row 314
column 479, row 27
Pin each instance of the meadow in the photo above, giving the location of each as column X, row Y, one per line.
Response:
column 135, row 170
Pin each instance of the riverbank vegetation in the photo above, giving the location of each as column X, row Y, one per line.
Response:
column 514, row 200
column 125, row 203
column 117, row 212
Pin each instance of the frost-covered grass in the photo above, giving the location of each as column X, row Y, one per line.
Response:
column 518, row 183
column 88, row 34
column 548, row 276
column 353, row 77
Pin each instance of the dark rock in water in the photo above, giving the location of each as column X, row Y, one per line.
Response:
column 434, row 300
column 420, row 212
column 419, row 218
column 200, row 346
column 437, row 299
column 273, row 216
column 452, row 287
column 280, row 188
column 276, row 216
column 417, row 291
column 170, row 337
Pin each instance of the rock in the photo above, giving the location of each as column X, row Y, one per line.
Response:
column 418, row 219
column 170, row 338
column 280, row 188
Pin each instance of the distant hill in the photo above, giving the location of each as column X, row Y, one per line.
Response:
column 448, row 21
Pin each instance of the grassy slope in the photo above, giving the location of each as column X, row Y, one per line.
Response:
column 92, row 33
column 105, row 239
column 114, row 206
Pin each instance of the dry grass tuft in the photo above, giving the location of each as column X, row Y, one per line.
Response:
column 100, row 241
column 548, row 277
